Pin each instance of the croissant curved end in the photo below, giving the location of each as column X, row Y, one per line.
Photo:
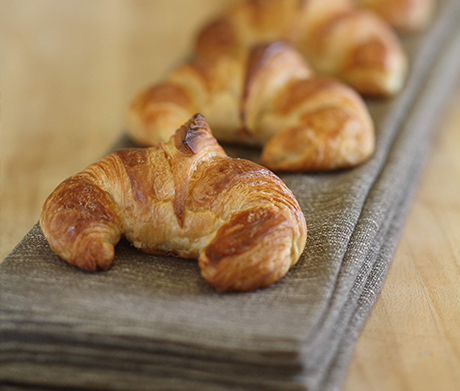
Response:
column 237, row 257
column 89, row 251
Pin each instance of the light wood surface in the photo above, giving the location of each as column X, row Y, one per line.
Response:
column 69, row 69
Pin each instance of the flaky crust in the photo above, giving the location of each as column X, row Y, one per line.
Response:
column 266, row 96
column 405, row 15
column 184, row 198
column 338, row 39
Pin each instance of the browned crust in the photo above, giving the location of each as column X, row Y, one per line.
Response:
column 300, row 91
column 319, row 35
column 258, row 58
column 81, row 222
column 276, row 81
column 216, row 38
column 189, row 140
column 371, row 54
column 333, row 131
column 133, row 160
column 245, row 231
column 250, row 22
column 86, row 215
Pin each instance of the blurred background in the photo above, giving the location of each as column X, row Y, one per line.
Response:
column 68, row 72
column 69, row 69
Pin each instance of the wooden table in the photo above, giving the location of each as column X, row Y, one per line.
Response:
column 69, row 69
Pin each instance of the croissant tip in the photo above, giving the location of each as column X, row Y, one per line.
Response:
column 198, row 121
column 190, row 135
column 198, row 116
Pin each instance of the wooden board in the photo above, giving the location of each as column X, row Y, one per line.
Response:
column 69, row 69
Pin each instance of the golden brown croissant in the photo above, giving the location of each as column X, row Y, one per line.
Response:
column 338, row 39
column 267, row 96
column 185, row 198
column 410, row 15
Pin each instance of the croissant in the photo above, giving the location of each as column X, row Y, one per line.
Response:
column 339, row 39
column 184, row 198
column 267, row 96
column 409, row 15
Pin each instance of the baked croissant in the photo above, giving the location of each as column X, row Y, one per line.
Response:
column 409, row 15
column 267, row 96
column 337, row 38
column 184, row 198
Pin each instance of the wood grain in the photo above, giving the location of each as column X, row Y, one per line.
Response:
column 69, row 69
column 411, row 341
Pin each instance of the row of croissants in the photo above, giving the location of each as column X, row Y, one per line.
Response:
column 287, row 76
